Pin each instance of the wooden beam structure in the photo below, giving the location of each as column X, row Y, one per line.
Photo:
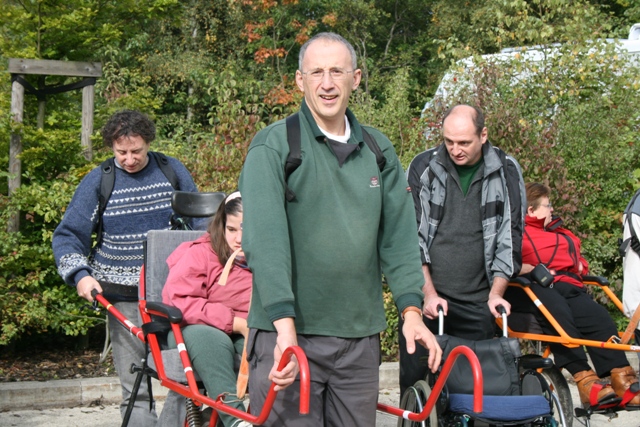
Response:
column 55, row 68
column 21, row 67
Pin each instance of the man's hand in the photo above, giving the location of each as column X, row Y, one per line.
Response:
column 495, row 301
column 414, row 330
column 430, row 308
column 86, row 285
column 431, row 298
column 498, row 289
column 286, row 337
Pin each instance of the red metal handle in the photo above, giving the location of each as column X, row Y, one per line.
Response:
column 305, row 389
column 136, row 331
column 437, row 388
column 218, row 404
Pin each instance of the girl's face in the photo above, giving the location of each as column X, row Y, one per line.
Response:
column 544, row 210
column 233, row 232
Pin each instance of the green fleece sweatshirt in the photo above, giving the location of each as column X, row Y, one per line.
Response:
column 320, row 258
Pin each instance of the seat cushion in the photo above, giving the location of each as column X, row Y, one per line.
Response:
column 501, row 408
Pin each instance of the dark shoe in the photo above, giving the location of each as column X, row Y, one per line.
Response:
column 625, row 384
column 592, row 392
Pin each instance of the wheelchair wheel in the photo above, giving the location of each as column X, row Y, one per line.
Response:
column 560, row 393
column 414, row 400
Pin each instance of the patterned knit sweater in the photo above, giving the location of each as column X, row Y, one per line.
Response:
column 139, row 202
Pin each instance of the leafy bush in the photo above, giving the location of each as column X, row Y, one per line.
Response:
column 33, row 298
column 389, row 337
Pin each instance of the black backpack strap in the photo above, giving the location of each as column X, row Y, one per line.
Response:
column 513, row 185
column 107, row 181
column 381, row 160
column 512, row 178
column 294, row 159
column 436, row 212
column 166, row 169
column 635, row 243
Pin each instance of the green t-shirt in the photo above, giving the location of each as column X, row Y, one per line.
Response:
column 466, row 174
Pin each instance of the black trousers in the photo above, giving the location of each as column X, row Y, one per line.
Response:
column 581, row 317
column 466, row 320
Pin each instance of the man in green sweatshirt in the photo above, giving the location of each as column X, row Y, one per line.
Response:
column 318, row 259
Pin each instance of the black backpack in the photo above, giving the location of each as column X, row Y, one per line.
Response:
column 294, row 159
column 108, row 178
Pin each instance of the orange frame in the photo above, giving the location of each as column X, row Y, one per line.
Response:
column 562, row 337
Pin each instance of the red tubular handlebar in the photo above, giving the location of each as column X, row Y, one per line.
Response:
column 437, row 388
column 136, row 331
column 305, row 389
column 218, row 404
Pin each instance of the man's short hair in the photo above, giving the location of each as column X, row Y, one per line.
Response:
column 477, row 117
column 329, row 37
column 128, row 123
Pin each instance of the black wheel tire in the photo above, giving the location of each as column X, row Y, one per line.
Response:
column 558, row 384
column 414, row 399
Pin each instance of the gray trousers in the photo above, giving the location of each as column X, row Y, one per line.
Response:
column 128, row 349
column 344, row 381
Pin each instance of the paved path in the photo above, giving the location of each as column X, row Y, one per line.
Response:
column 90, row 402
column 109, row 416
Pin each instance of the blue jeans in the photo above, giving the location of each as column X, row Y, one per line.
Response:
column 127, row 350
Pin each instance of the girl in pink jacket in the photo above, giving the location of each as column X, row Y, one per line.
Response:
column 211, row 284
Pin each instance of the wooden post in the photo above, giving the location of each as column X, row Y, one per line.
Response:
column 41, row 107
column 15, row 148
column 87, row 121
column 41, row 104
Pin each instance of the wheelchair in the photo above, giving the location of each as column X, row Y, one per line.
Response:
column 527, row 326
column 515, row 393
column 172, row 367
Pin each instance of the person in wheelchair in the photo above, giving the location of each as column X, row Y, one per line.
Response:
column 546, row 242
column 210, row 283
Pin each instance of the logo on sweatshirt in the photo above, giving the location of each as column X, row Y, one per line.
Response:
column 374, row 182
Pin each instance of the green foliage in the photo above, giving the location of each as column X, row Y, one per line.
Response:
column 489, row 26
column 389, row 337
column 33, row 298
column 237, row 113
column 393, row 115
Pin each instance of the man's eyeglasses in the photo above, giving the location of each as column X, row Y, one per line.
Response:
column 335, row 73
